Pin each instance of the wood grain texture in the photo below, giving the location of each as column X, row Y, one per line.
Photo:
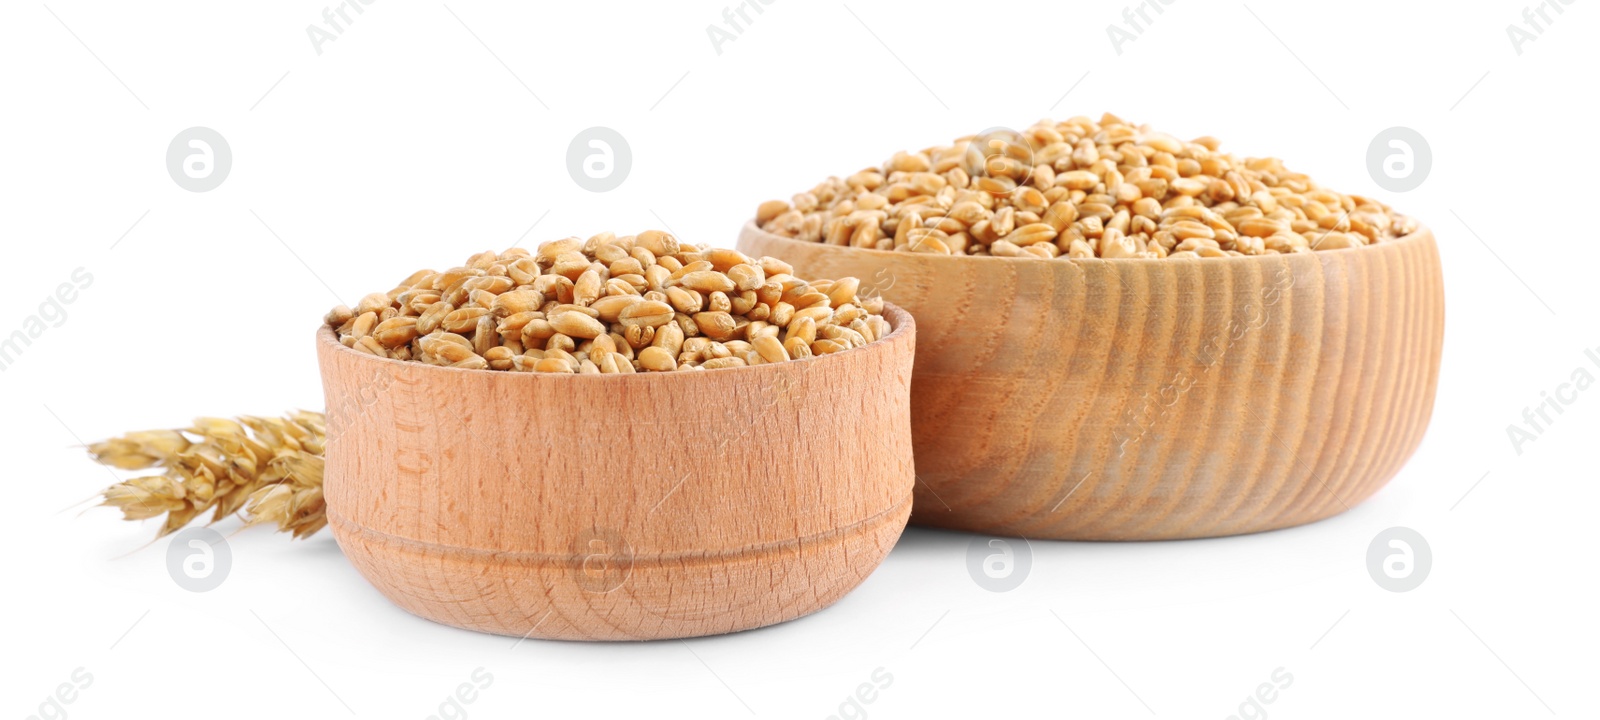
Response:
column 619, row 507
column 1149, row 399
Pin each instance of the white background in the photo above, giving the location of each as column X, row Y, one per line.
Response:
column 409, row 142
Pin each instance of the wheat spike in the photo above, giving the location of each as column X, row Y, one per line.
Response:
column 271, row 468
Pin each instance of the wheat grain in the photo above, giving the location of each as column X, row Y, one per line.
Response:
column 620, row 304
column 1080, row 189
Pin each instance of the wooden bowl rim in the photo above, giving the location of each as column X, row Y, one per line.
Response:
column 901, row 324
column 1421, row 234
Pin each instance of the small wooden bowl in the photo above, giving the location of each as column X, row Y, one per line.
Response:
column 1152, row 399
column 619, row 507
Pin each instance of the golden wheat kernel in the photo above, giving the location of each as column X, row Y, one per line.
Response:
column 625, row 266
column 576, row 325
column 395, row 332
column 555, row 365
column 843, row 291
column 669, row 337
column 657, row 242
column 485, row 336
column 371, row 346
column 769, row 210
column 549, row 251
column 773, row 266
column 655, row 277
column 570, row 307
column 600, row 344
column 339, row 315
column 363, row 324
column 706, row 281
column 797, row 348
column 609, row 308
column 463, row 320
column 722, row 259
column 804, row 328
column 866, row 330
column 847, row 314
column 499, row 358
column 625, row 285
column 587, row 288
column 491, row 284
column 649, row 313
column 723, row 362
column 747, row 276
column 638, row 336
column 611, row 253
column 570, row 266
column 685, row 300
column 770, row 349
column 523, row 270
column 806, row 296
column 374, row 302
column 483, row 260
column 657, row 359
column 828, row 347
column 560, row 341
column 452, row 352
column 818, row 313
column 536, row 331
column 565, row 356
column 715, row 325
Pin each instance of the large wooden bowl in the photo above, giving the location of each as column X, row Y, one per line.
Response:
column 1150, row 399
column 619, row 507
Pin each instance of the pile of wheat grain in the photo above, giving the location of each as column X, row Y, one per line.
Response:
column 1081, row 189
column 611, row 304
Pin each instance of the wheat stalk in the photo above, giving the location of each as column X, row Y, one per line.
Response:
column 270, row 468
